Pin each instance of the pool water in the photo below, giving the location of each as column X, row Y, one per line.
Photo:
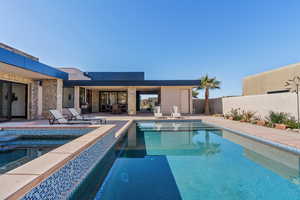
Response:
column 18, row 147
column 191, row 160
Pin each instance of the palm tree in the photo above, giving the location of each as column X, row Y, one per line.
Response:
column 207, row 84
column 195, row 93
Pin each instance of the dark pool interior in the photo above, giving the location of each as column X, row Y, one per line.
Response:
column 18, row 147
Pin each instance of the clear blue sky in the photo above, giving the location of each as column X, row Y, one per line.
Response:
column 167, row 39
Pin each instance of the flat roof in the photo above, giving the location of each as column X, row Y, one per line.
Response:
column 116, row 76
column 26, row 63
column 286, row 67
column 132, row 83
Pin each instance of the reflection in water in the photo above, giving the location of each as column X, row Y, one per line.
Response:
column 193, row 160
column 279, row 161
column 207, row 148
column 13, row 158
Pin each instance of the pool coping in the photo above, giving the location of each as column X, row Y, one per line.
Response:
column 51, row 127
column 22, row 179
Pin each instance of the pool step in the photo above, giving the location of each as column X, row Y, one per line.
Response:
column 7, row 138
column 6, row 148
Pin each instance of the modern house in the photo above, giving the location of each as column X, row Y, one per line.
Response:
column 29, row 89
column 270, row 82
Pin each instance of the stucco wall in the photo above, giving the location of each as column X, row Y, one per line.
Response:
column 215, row 106
column 269, row 81
column 263, row 104
column 173, row 96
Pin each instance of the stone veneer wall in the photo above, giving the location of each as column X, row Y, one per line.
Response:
column 52, row 95
column 95, row 101
column 131, row 101
column 33, row 99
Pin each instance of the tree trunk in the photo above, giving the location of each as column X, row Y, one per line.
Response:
column 206, row 104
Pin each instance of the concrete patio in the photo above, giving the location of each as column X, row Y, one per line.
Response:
column 284, row 137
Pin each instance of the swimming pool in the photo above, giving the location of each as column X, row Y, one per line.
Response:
column 192, row 160
column 18, row 147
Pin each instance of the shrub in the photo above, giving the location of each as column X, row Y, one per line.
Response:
column 282, row 118
column 292, row 123
column 277, row 117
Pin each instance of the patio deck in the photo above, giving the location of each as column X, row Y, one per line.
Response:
column 284, row 137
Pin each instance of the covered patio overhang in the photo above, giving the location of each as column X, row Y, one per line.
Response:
column 21, row 86
column 168, row 92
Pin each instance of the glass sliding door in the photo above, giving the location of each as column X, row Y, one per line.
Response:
column 18, row 100
column 13, row 100
column 110, row 98
column 5, row 101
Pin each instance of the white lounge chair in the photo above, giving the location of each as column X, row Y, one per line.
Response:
column 175, row 113
column 157, row 112
column 76, row 116
column 57, row 118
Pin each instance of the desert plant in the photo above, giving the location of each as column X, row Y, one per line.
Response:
column 277, row 117
column 235, row 113
column 195, row 93
column 247, row 115
column 207, row 84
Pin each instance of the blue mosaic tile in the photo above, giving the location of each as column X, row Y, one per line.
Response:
column 61, row 183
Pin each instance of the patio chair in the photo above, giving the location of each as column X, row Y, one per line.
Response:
column 76, row 116
column 175, row 113
column 157, row 112
column 57, row 118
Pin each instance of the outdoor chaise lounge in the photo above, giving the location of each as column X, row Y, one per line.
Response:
column 157, row 112
column 76, row 116
column 175, row 113
column 57, row 118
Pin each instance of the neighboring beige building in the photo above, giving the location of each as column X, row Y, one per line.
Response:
column 269, row 82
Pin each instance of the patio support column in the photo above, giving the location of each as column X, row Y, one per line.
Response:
column 95, row 101
column 131, row 100
column 33, row 95
column 76, row 98
column 191, row 101
column 52, row 95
